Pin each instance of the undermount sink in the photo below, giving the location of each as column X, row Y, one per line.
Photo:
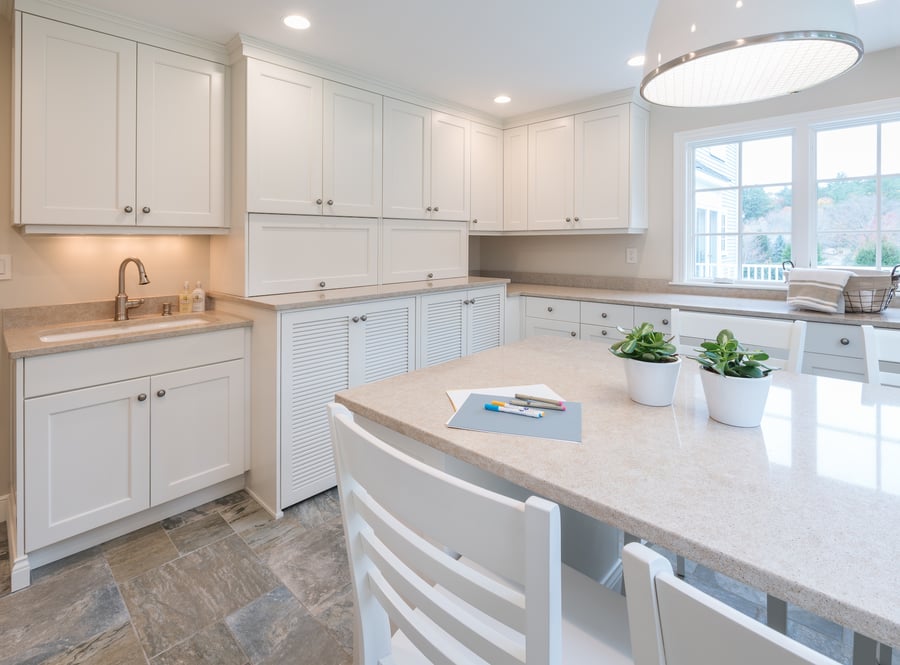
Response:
column 74, row 333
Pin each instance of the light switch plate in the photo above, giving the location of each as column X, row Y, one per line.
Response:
column 631, row 255
column 5, row 266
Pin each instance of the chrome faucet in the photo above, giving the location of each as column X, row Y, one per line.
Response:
column 123, row 304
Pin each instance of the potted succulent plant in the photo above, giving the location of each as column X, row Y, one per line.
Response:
column 735, row 380
column 652, row 364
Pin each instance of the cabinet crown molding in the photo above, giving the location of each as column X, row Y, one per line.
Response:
column 626, row 96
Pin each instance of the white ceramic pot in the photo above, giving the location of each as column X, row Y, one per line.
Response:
column 652, row 384
column 734, row 400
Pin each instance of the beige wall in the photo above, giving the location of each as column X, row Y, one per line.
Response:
column 54, row 270
column 875, row 78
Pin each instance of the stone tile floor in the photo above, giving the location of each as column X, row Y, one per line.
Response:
column 225, row 584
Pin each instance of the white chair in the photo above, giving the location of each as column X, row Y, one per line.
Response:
column 881, row 344
column 679, row 625
column 783, row 340
column 506, row 601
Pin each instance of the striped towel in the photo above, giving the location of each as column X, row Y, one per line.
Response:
column 820, row 290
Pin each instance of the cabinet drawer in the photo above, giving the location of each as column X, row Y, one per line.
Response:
column 291, row 253
column 605, row 314
column 839, row 367
column 834, row 339
column 660, row 317
column 600, row 333
column 419, row 250
column 555, row 309
column 535, row 326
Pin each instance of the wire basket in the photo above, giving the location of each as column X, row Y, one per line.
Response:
column 870, row 291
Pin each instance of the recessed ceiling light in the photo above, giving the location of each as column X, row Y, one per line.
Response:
column 636, row 61
column 296, row 22
column 502, row 99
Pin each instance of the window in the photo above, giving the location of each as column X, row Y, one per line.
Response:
column 818, row 189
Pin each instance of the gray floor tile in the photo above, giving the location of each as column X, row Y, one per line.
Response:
column 138, row 552
column 277, row 629
column 176, row 600
column 200, row 533
column 244, row 514
column 214, row 645
column 337, row 615
column 117, row 646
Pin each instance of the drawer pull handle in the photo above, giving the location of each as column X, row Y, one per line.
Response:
column 603, row 332
column 330, row 202
column 160, row 393
column 145, row 210
column 577, row 219
column 318, row 202
column 474, row 221
column 845, row 341
column 574, row 334
column 428, row 209
column 465, row 302
column 322, row 284
column 436, row 209
column 603, row 315
column 355, row 319
column 142, row 397
column 129, row 209
column 431, row 275
column 665, row 322
column 549, row 309
column 363, row 317
column 568, row 219
column 472, row 301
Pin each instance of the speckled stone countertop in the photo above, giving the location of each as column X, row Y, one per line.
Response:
column 889, row 318
column 288, row 301
column 804, row 507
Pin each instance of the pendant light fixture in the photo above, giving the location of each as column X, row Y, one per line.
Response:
column 718, row 52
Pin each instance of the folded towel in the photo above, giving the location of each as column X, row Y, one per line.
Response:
column 820, row 290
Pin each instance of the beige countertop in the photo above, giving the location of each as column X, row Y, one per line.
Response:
column 889, row 318
column 804, row 507
column 25, row 341
column 288, row 301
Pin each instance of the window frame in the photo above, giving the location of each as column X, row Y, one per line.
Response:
column 802, row 127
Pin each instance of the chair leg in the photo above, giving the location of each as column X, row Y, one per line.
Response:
column 679, row 566
column 885, row 654
column 865, row 650
column 776, row 614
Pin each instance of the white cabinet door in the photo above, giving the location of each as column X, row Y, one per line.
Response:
column 407, row 160
column 550, row 174
column 197, row 421
column 449, row 167
column 325, row 351
column 284, row 140
column 601, row 169
column 515, row 179
column 416, row 250
column 487, row 308
column 487, row 179
column 352, row 151
column 289, row 253
column 180, row 140
column 78, row 126
column 86, row 457
column 457, row 323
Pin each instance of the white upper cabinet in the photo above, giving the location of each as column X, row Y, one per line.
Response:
column 426, row 163
column 352, row 151
column 487, row 179
column 515, row 179
column 113, row 133
column 550, row 174
column 284, row 140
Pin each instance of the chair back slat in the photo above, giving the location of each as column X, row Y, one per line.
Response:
column 783, row 340
column 882, row 345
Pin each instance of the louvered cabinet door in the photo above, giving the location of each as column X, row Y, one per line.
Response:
column 388, row 340
column 486, row 308
column 315, row 364
column 442, row 327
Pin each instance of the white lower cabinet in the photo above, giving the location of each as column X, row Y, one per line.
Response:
column 105, row 439
column 595, row 321
column 324, row 351
column 454, row 324
column 836, row 350
column 552, row 316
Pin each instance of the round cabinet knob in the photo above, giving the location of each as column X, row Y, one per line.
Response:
column 472, row 301
column 568, row 219
column 665, row 322
column 436, row 208
column 145, row 209
column 603, row 315
column 129, row 209
column 330, row 202
column 322, row 284
column 431, row 275
column 363, row 317
column 845, row 341
column 474, row 221
column 428, row 209
column 576, row 219
column 549, row 309
column 603, row 332
column 142, row 397
column 160, row 393
column 318, row 202
column 355, row 319
column 465, row 302
column 573, row 334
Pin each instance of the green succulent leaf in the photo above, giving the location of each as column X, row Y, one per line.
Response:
column 645, row 344
column 727, row 356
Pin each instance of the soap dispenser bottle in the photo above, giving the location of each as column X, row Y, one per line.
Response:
column 185, row 302
column 198, row 299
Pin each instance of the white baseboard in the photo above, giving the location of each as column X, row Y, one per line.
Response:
column 4, row 507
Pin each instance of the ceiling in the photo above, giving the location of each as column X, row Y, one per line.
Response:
column 540, row 53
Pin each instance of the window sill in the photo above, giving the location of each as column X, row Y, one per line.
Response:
column 773, row 286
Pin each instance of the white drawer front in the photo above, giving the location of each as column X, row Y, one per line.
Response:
column 536, row 326
column 600, row 333
column 418, row 250
column 605, row 314
column 835, row 339
column 823, row 364
column 660, row 317
column 554, row 309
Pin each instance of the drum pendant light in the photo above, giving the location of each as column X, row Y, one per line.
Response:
column 718, row 52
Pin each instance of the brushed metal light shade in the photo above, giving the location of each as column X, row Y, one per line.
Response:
column 719, row 52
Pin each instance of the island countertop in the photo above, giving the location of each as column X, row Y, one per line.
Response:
column 804, row 507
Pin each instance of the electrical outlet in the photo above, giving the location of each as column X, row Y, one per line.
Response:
column 631, row 255
column 5, row 266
